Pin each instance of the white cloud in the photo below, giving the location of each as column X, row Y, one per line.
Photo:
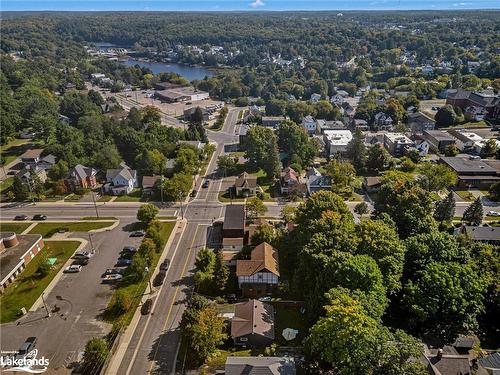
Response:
column 257, row 3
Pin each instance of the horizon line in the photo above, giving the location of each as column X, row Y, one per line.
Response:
column 252, row 10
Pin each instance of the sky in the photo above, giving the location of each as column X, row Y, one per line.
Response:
column 239, row 5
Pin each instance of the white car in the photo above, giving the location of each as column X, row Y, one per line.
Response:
column 73, row 269
column 83, row 254
column 493, row 213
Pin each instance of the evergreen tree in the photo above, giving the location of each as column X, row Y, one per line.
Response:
column 20, row 189
column 356, row 151
column 272, row 164
column 474, row 213
column 445, row 209
column 220, row 273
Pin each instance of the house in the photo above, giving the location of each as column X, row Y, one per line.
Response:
column 397, row 143
column 336, row 141
column 490, row 363
column 418, row 122
column 439, row 139
column 315, row 98
column 233, row 244
column 446, row 361
column 422, row 146
column 382, row 121
column 315, row 181
column 81, row 177
column 472, row 172
column 322, row 125
column 475, row 113
column 359, row 124
column 46, row 162
column 148, row 184
column 234, row 221
column 272, row 121
column 309, row 124
column 16, row 251
column 121, row 181
column 290, row 183
column 490, row 235
column 348, row 109
column 465, row 140
column 260, row 365
column 189, row 112
column 28, row 173
column 245, row 185
column 372, row 184
column 259, row 276
column 169, row 167
column 253, row 324
column 242, row 136
column 31, row 157
column 464, row 99
column 337, row 99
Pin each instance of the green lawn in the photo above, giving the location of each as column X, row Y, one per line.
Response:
column 28, row 286
column 289, row 317
column 166, row 217
column 225, row 197
column 268, row 186
column 14, row 148
column 136, row 290
column 99, row 218
column 14, row 227
column 7, row 183
column 355, row 197
column 48, row 229
column 105, row 198
column 465, row 195
column 218, row 361
column 134, row 196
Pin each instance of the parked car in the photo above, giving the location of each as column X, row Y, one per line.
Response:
column 73, row 269
column 493, row 213
column 159, row 278
column 205, row 184
column 21, row 217
column 231, row 298
column 83, row 254
column 81, row 262
column 129, row 249
column 264, row 299
column 164, row 265
column 146, row 307
column 27, row 346
column 193, row 194
column 40, row 217
column 113, row 278
column 123, row 262
column 137, row 233
column 113, row 271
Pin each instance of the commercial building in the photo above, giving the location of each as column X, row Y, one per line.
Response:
column 16, row 251
column 336, row 141
column 181, row 94
column 474, row 172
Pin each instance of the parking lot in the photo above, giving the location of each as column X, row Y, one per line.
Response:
column 79, row 299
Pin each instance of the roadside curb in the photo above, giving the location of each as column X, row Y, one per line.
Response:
column 111, row 227
column 55, row 280
column 124, row 340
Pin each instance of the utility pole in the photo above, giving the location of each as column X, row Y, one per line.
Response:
column 161, row 189
column 91, row 243
column 45, row 305
column 95, row 205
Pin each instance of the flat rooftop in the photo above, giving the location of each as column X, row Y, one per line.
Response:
column 11, row 257
column 439, row 135
column 468, row 166
column 398, row 138
column 338, row 137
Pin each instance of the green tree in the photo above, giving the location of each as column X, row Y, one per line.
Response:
column 445, row 116
column 264, row 233
column 451, row 150
column 436, row 177
column 186, row 160
column 473, row 214
column 494, row 192
column 227, row 164
column 445, row 299
column 58, row 171
column 107, row 158
column 44, row 127
column 356, row 151
column 295, row 142
column 377, row 159
column 151, row 162
column 342, row 174
column 288, row 214
column 445, row 209
column 20, row 189
column 361, row 209
column 220, row 274
column 95, row 354
column 177, row 187
column 147, row 213
column 255, row 207
column 489, row 149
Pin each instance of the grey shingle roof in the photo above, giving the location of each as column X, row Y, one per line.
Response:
column 260, row 366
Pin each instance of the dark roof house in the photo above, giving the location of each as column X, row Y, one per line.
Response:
column 253, row 324
column 260, row 366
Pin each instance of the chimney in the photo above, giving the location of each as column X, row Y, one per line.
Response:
column 440, row 354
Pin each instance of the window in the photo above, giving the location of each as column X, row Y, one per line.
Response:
column 243, row 339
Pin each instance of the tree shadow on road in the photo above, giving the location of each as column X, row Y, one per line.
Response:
column 163, row 352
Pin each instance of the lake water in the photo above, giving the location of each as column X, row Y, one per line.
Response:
column 186, row 71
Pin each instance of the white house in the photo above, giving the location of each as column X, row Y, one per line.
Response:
column 465, row 140
column 309, row 124
column 336, row 141
column 315, row 98
column 337, row 99
column 121, row 181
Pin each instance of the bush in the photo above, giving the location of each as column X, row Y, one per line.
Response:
column 120, row 304
column 94, row 356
